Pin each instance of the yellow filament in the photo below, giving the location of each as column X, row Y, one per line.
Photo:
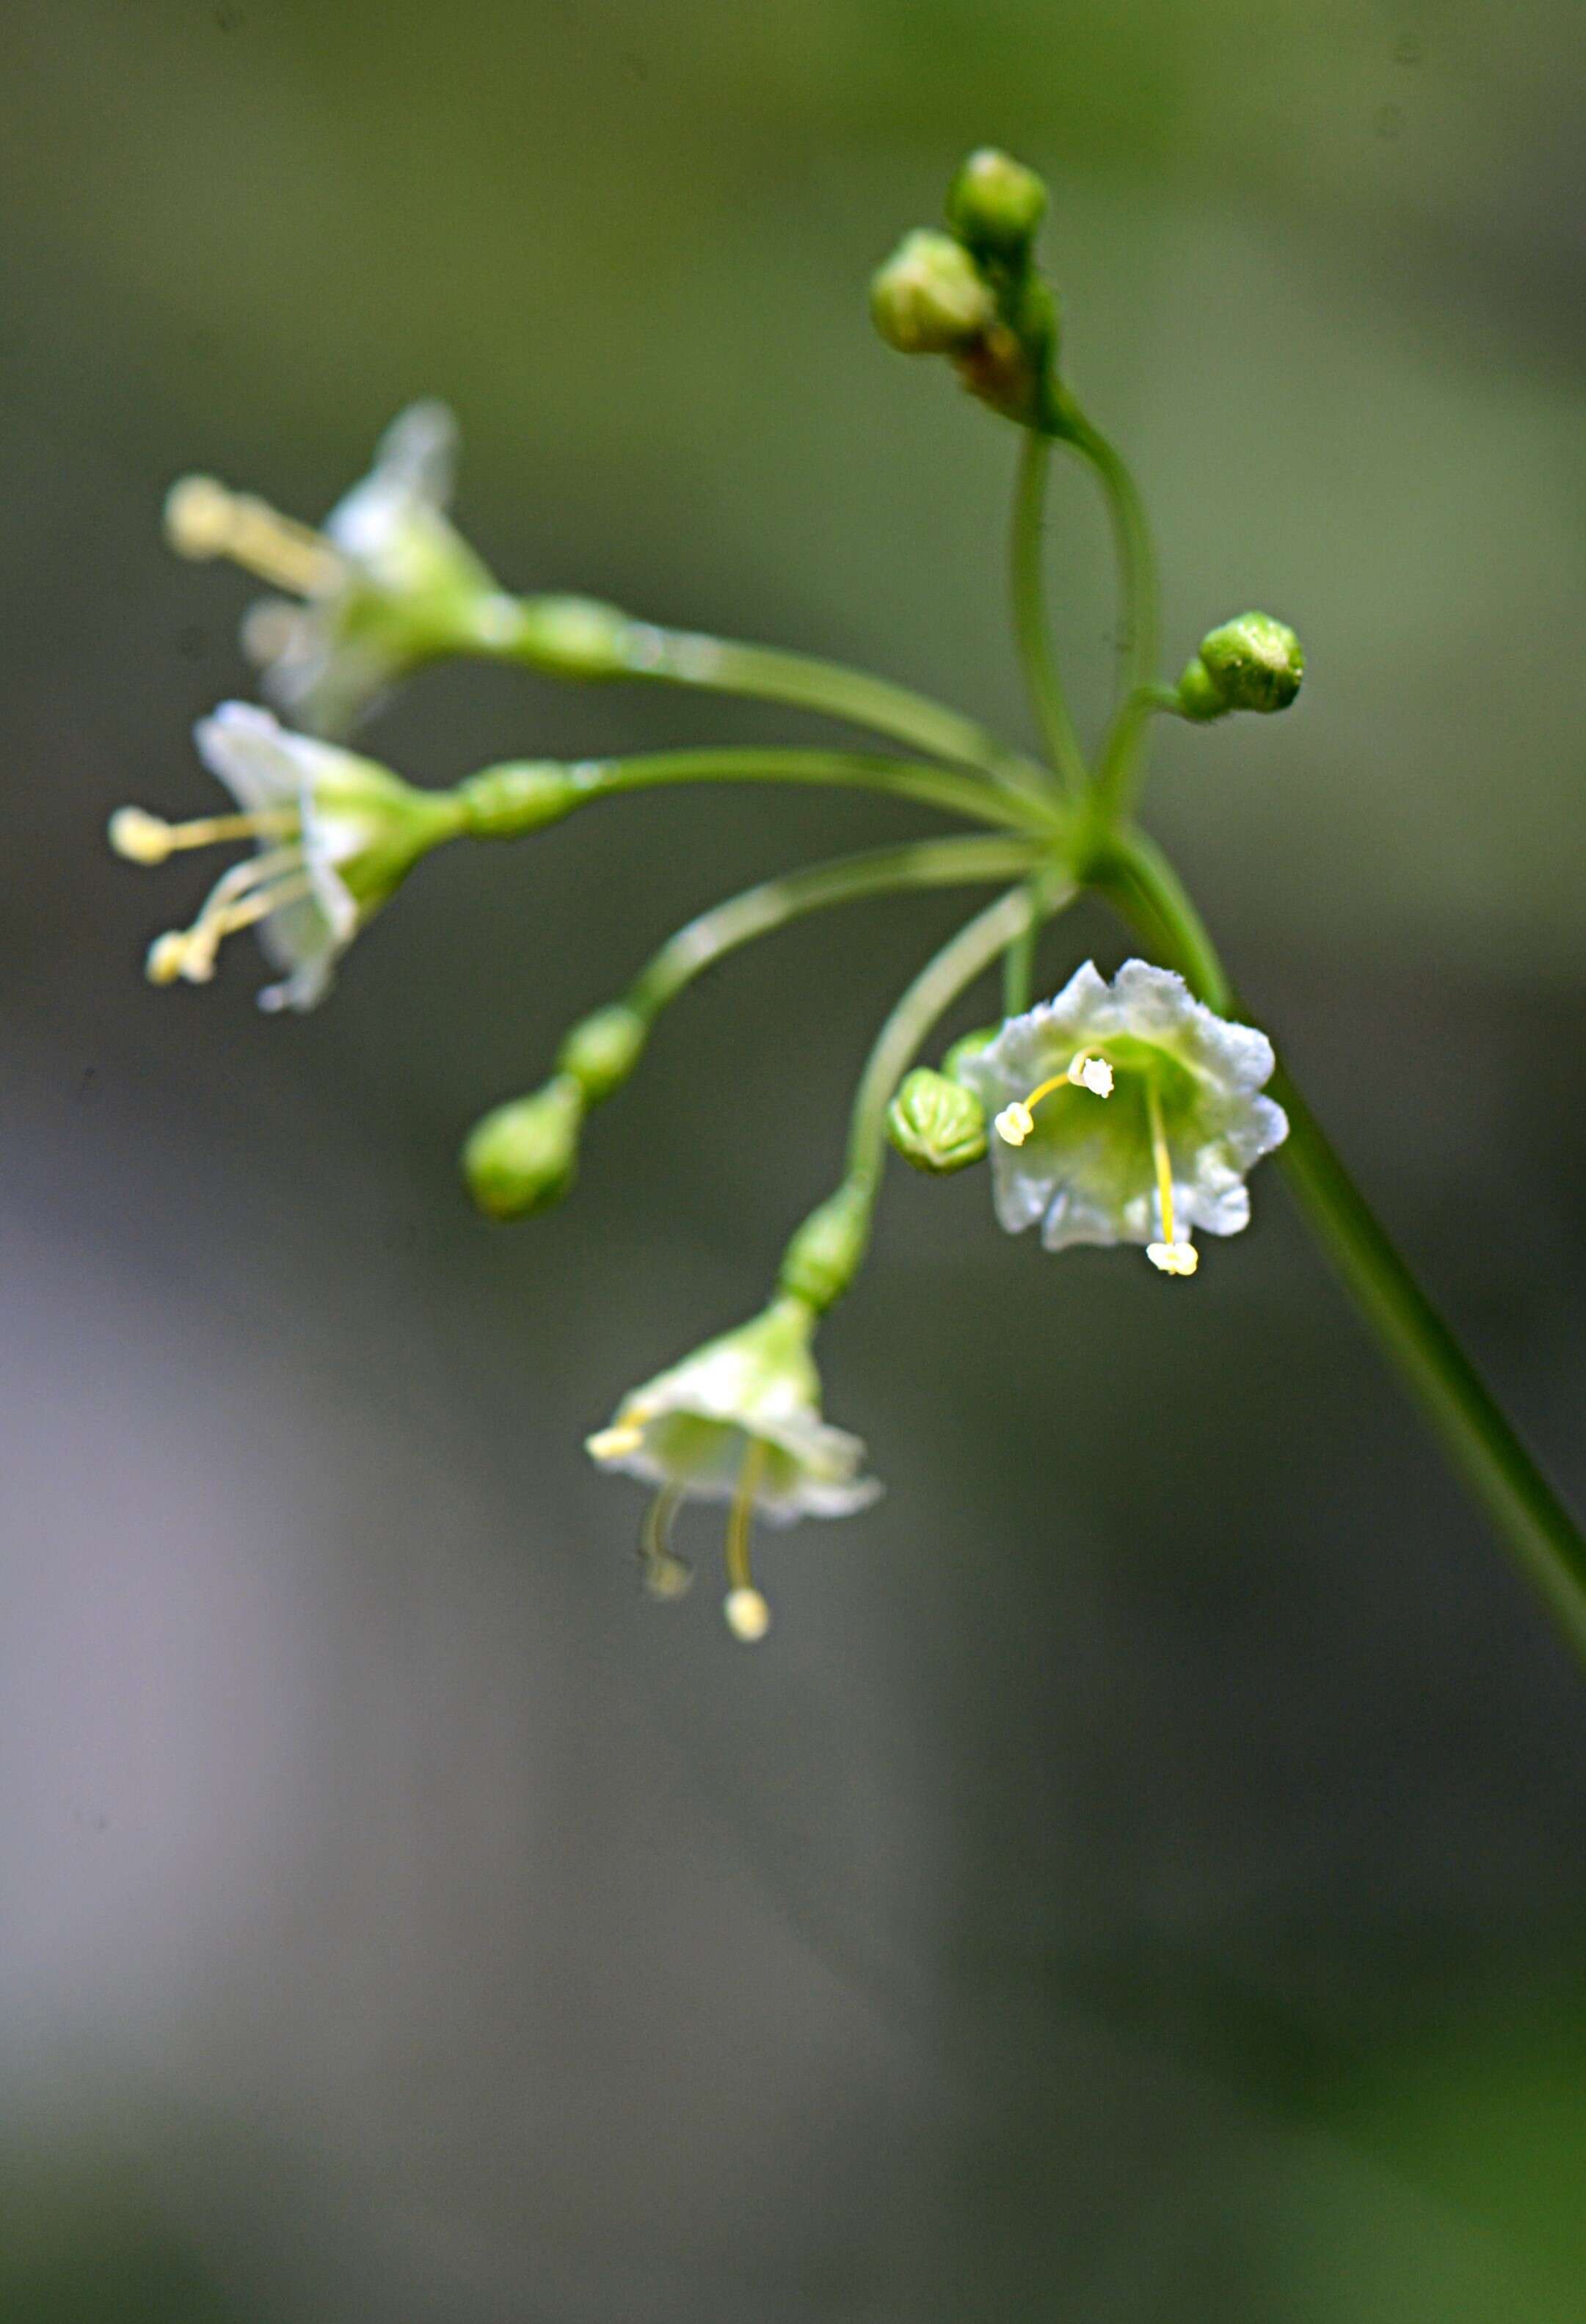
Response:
column 740, row 1522
column 1015, row 1122
column 204, row 519
column 1163, row 1161
column 144, row 838
column 247, row 893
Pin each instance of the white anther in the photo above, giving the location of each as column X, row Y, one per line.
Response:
column 748, row 1617
column 1093, row 1073
column 1014, row 1123
column 1174, row 1258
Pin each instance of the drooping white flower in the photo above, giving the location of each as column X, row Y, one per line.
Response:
column 739, row 1420
column 387, row 583
column 1126, row 1112
column 334, row 834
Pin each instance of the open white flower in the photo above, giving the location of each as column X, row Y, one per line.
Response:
column 334, row 835
column 739, row 1420
column 386, row 585
column 1126, row 1112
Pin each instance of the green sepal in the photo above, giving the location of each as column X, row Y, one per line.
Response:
column 825, row 1254
column 602, row 1051
column 936, row 1124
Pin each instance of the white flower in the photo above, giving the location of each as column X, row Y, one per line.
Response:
column 739, row 1420
column 1127, row 1112
column 334, row 835
column 386, row 585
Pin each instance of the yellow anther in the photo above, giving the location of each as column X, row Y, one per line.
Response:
column 1174, row 1258
column 1091, row 1073
column 199, row 517
column 141, row 837
column 167, row 957
column 614, row 1443
column 748, row 1617
column 667, row 1578
column 204, row 519
column 1014, row 1123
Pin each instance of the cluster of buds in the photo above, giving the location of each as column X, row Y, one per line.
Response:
column 972, row 292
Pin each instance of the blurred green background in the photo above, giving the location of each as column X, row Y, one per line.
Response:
column 1144, row 1878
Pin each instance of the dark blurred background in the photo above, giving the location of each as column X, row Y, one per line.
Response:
column 1143, row 1879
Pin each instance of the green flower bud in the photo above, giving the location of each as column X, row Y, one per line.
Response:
column 929, row 298
column 521, row 1157
column 1253, row 663
column 995, row 203
column 969, row 1046
column 824, row 1256
column 503, row 802
column 936, row 1124
column 602, row 1051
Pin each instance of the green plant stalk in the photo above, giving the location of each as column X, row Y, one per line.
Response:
column 693, row 659
column 758, row 911
column 1531, row 1520
column 936, row 787
column 1118, row 773
column 1031, row 622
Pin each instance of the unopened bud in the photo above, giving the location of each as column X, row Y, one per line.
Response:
column 602, row 1051
column 936, row 1124
column 1253, row 663
column 995, row 203
column 929, row 298
column 824, row 1256
column 523, row 1156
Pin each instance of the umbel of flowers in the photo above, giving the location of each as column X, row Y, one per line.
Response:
column 1127, row 1110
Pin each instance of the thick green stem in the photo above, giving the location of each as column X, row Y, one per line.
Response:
column 1031, row 620
column 933, row 991
column 933, row 786
column 1530, row 1517
column 923, row 863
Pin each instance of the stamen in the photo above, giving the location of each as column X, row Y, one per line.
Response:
column 1170, row 1255
column 144, row 838
column 614, row 1443
column 167, row 957
column 248, row 892
column 748, row 1617
column 1085, row 1070
column 666, row 1575
column 204, row 519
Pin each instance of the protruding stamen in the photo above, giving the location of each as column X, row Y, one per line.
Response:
column 204, row 519
column 666, row 1575
column 748, row 1617
column 1170, row 1255
column 1085, row 1070
column 224, row 914
column 144, row 838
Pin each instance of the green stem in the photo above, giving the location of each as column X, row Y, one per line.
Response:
column 1118, row 779
column 939, row 984
column 924, row 863
column 1530, row 1517
column 1030, row 618
column 934, row 786
column 687, row 657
